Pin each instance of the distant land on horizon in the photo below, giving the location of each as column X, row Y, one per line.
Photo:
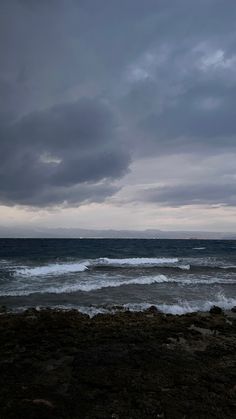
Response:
column 24, row 232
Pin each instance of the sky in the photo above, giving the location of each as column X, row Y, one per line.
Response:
column 118, row 114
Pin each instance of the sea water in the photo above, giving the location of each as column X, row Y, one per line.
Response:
column 103, row 275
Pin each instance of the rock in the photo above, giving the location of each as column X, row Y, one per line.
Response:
column 152, row 309
column 117, row 366
column 30, row 312
column 216, row 310
column 233, row 309
column 3, row 309
column 43, row 402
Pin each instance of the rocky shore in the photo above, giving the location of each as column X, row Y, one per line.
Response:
column 56, row 364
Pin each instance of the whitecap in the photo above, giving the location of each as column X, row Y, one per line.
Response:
column 135, row 261
column 183, row 306
column 53, row 269
column 180, row 307
column 87, row 286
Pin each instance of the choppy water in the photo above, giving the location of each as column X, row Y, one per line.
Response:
column 94, row 275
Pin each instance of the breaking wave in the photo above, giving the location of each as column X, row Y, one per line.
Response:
column 60, row 268
column 136, row 261
column 81, row 266
column 180, row 307
column 97, row 284
column 53, row 269
column 86, row 286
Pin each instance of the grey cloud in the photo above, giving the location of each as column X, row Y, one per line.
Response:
column 197, row 116
column 70, row 145
column 86, row 83
column 84, row 41
column 173, row 113
column 191, row 194
column 72, row 196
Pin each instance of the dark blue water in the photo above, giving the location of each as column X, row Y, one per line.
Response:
column 97, row 274
column 95, row 248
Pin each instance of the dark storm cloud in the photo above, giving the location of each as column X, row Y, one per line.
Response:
column 61, row 154
column 191, row 194
column 195, row 121
column 84, row 84
column 191, row 108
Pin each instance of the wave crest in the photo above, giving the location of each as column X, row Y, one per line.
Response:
column 136, row 261
column 180, row 307
column 53, row 269
column 87, row 285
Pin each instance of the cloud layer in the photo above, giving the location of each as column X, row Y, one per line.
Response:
column 64, row 153
column 87, row 87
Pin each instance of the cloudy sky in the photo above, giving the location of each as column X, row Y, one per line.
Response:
column 118, row 114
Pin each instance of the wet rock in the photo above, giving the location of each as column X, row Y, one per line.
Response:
column 233, row 309
column 3, row 309
column 216, row 310
column 152, row 310
column 31, row 312
column 43, row 402
column 125, row 365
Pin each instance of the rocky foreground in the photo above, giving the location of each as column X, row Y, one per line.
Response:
column 56, row 364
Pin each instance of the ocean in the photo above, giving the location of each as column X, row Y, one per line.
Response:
column 104, row 275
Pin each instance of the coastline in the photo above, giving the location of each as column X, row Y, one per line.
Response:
column 64, row 364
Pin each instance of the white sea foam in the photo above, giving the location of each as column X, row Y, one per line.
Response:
column 184, row 267
column 94, row 285
column 81, row 266
column 199, row 248
column 182, row 307
column 179, row 307
column 136, row 261
column 216, row 266
column 58, row 268
column 89, row 285
column 53, row 269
